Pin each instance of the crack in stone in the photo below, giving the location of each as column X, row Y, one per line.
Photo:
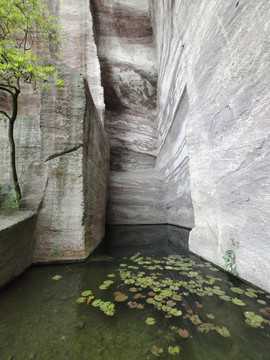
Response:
column 75, row 148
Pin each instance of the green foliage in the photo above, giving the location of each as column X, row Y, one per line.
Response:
column 24, row 26
column 7, row 197
column 229, row 259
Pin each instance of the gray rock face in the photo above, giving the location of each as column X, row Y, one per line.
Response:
column 129, row 76
column 80, row 51
column 16, row 243
column 220, row 52
column 75, row 152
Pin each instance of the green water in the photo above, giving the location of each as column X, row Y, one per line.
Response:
column 41, row 319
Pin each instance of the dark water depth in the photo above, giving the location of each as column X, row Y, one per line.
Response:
column 144, row 297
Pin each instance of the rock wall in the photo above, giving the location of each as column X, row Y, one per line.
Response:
column 16, row 243
column 75, row 151
column 128, row 66
column 46, row 149
column 219, row 51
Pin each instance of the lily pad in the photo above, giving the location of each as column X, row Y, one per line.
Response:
column 262, row 302
column 156, row 351
column 210, row 316
column 183, row 333
column 121, row 297
column 237, row 290
column 57, row 277
column 132, row 304
column 103, row 287
column 253, row 320
column 222, row 330
column 87, row 293
column 175, row 312
column 195, row 319
column 97, row 303
column 173, row 350
column 150, row 321
column 81, row 300
column 177, row 297
column 150, row 301
column 251, row 294
column 111, row 275
column 238, row 302
column 225, row 298
column 137, row 296
column 171, row 303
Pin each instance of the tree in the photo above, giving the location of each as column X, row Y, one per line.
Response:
column 24, row 25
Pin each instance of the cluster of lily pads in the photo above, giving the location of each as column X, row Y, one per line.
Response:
column 151, row 281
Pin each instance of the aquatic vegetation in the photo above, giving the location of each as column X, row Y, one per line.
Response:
column 150, row 321
column 81, row 300
column 156, row 351
column 238, row 302
column 57, row 277
column 253, row 320
column 121, row 297
column 222, row 330
column 183, row 333
column 168, row 295
column 173, row 350
column 237, row 290
column 229, row 259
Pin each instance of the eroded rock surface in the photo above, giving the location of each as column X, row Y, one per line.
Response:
column 75, row 152
column 220, row 52
column 128, row 66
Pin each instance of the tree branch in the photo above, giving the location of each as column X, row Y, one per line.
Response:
column 5, row 114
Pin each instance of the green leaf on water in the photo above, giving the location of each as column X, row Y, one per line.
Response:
column 150, row 321
column 222, row 330
column 173, row 350
column 237, row 290
column 156, row 351
column 238, row 302
column 253, row 320
column 175, row 312
column 57, row 277
column 97, row 303
column 81, row 300
column 225, row 298
column 86, row 293
column 110, row 275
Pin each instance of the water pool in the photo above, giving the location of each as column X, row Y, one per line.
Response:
column 151, row 299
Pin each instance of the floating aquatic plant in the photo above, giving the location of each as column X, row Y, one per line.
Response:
column 222, row 330
column 238, row 302
column 81, row 300
column 57, row 277
column 121, row 297
column 150, row 321
column 87, row 293
column 156, row 351
column 183, row 333
column 253, row 320
column 173, row 350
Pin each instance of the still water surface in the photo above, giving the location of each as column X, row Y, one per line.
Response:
column 172, row 306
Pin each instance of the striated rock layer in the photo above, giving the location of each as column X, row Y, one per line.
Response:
column 75, row 151
column 128, row 66
column 219, row 51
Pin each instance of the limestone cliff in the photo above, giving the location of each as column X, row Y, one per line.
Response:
column 219, row 52
column 128, row 67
